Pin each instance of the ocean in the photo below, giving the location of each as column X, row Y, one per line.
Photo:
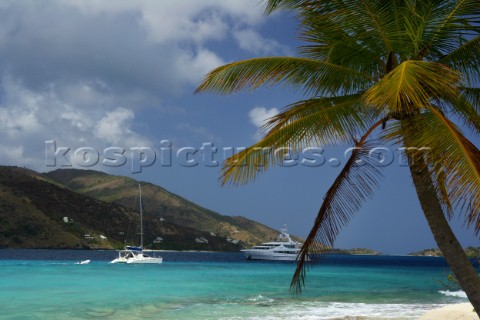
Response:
column 47, row 284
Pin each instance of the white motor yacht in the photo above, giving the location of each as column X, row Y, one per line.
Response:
column 282, row 249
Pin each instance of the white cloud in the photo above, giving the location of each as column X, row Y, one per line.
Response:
column 113, row 126
column 115, row 129
column 192, row 67
column 84, row 72
column 171, row 24
column 29, row 118
column 135, row 44
column 250, row 40
column 182, row 20
column 156, row 46
column 259, row 115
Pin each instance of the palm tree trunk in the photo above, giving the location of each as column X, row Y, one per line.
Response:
column 443, row 234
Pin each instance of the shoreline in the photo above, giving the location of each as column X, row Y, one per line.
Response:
column 457, row 311
column 109, row 249
column 168, row 250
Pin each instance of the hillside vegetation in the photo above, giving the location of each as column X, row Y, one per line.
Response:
column 163, row 204
column 88, row 209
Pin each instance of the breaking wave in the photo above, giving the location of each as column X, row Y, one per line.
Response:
column 457, row 294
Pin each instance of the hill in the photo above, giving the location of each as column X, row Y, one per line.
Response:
column 38, row 212
column 32, row 212
column 163, row 204
column 89, row 209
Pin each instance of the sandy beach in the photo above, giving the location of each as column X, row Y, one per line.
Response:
column 461, row 311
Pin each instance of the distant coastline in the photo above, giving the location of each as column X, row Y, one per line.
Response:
column 472, row 252
column 356, row 251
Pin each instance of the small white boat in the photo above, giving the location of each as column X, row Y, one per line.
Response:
column 136, row 255
column 282, row 249
column 83, row 262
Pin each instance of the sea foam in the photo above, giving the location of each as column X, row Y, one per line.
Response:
column 335, row 310
column 458, row 294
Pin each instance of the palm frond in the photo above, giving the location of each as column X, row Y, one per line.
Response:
column 314, row 77
column 473, row 96
column 352, row 187
column 378, row 12
column 272, row 5
column 371, row 23
column 348, row 54
column 324, row 121
column 416, row 16
column 317, row 121
column 462, row 108
column 450, row 24
column 411, row 85
column 247, row 164
column 375, row 27
column 456, row 160
column 332, row 42
column 465, row 59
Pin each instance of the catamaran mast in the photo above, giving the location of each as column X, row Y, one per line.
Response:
column 141, row 216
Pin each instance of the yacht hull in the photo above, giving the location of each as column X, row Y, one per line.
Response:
column 282, row 249
column 268, row 256
column 135, row 257
column 146, row 261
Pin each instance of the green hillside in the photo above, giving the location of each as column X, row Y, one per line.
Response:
column 36, row 213
column 163, row 204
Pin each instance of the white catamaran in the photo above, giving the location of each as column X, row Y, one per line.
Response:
column 136, row 255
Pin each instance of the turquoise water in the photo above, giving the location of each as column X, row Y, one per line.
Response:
column 216, row 286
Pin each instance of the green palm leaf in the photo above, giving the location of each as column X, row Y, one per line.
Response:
column 466, row 59
column 372, row 24
column 318, row 121
column 457, row 157
column 449, row 24
column 314, row 77
column 324, row 121
column 247, row 164
column 473, row 96
column 352, row 187
column 411, row 85
column 330, row 41
column 465, row 111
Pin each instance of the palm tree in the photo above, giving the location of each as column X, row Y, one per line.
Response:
column 404, row 72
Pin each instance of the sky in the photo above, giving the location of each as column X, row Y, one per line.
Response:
column 81, row 81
